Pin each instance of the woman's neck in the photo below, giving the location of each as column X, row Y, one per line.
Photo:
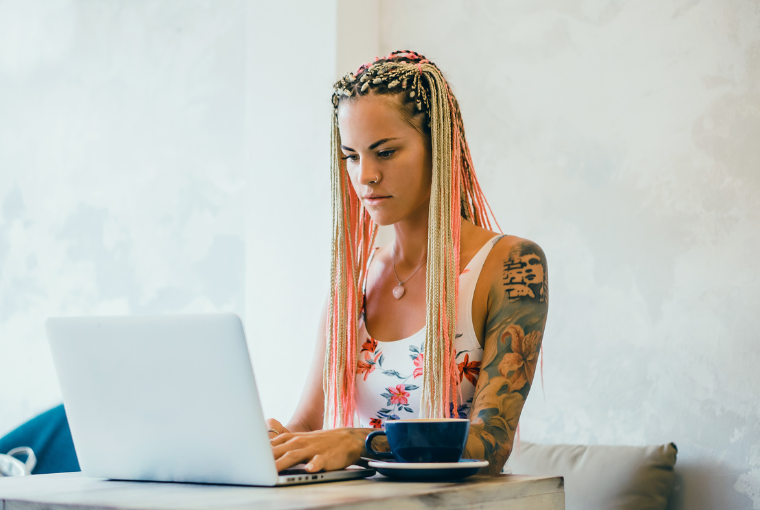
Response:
column 410, row 245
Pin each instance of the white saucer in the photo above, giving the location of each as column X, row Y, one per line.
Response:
column 468, row 463
column 429, row 471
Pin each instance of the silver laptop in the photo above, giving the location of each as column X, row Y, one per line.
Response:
column 167, row 398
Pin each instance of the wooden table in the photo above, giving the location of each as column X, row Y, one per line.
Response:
column 74, row 491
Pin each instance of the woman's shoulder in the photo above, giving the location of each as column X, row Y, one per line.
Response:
column 518, row 268
column 510, row 246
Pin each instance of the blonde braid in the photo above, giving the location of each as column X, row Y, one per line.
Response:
column 442, row 267
column 353, row 236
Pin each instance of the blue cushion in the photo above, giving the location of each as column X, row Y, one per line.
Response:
column 50, row 438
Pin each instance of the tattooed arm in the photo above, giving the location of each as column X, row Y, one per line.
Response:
column 517, row 306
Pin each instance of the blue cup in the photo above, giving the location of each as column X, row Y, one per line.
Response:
column 423, row 440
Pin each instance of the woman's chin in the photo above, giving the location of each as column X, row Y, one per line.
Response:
column 382, row 219
column 383, row 224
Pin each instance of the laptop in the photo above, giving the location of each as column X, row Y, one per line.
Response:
column 167, row 398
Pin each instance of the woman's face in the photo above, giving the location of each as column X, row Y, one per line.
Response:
column 388, row 160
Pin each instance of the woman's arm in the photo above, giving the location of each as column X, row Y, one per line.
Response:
column 518, row 302
column 303, row 439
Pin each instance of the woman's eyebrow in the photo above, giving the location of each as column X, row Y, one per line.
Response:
column 380, row 142
column 376, row 144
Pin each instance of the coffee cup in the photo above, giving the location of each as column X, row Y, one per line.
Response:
column 422, row 440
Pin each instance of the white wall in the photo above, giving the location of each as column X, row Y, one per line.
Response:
column 623, row 138
column 121, row 171
column 291, row 69
column 168, row 157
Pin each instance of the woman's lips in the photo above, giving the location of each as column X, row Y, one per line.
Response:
column 375, row 200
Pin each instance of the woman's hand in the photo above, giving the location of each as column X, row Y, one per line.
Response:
column 273, row 424
column 321, row 450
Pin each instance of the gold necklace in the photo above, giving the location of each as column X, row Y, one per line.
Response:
column 398, row 290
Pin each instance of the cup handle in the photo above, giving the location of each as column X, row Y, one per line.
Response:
column 31, row 459
column 368, row 445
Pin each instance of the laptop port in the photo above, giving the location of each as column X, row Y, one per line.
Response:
column 314, row 477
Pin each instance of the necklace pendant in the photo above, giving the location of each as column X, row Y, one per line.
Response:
column 398, row 291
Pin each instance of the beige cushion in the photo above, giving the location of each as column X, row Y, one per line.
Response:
column 603, row 477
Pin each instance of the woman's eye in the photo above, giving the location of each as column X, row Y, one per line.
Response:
column 385, row 154
column 352, row 157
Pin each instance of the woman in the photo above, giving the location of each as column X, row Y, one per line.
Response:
column 462, row 340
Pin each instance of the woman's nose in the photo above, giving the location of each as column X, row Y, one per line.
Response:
column 367, row 172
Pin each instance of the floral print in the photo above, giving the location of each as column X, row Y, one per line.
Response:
column 396, row 395
column 463, row 410
column 367, row 366
column 418, row 362
column 397, row 400
column 370, row 344
column 469, row 369
column 388, row 374
column 399, row 394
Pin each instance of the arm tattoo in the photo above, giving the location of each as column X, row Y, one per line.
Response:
column 514, row 330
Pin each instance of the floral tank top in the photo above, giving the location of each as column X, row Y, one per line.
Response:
column 388, row 382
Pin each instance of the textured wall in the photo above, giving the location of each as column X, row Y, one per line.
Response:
column 154, row 158
column 121, row 171
column 624, row 138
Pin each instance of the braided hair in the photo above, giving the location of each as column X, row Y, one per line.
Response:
column 455, row 194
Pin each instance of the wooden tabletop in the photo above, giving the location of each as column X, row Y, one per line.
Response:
column 74, row 491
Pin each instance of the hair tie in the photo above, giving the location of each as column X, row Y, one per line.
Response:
column 363, row 67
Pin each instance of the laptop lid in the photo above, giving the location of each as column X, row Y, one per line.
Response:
column 163, row 398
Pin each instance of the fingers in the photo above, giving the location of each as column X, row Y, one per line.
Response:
column 291, row 458
column 277, row 427
column 317, row 463
column 281, row 439
column 288, row 444
column 322, row 451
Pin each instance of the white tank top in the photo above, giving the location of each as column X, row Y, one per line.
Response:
column 388, row 382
